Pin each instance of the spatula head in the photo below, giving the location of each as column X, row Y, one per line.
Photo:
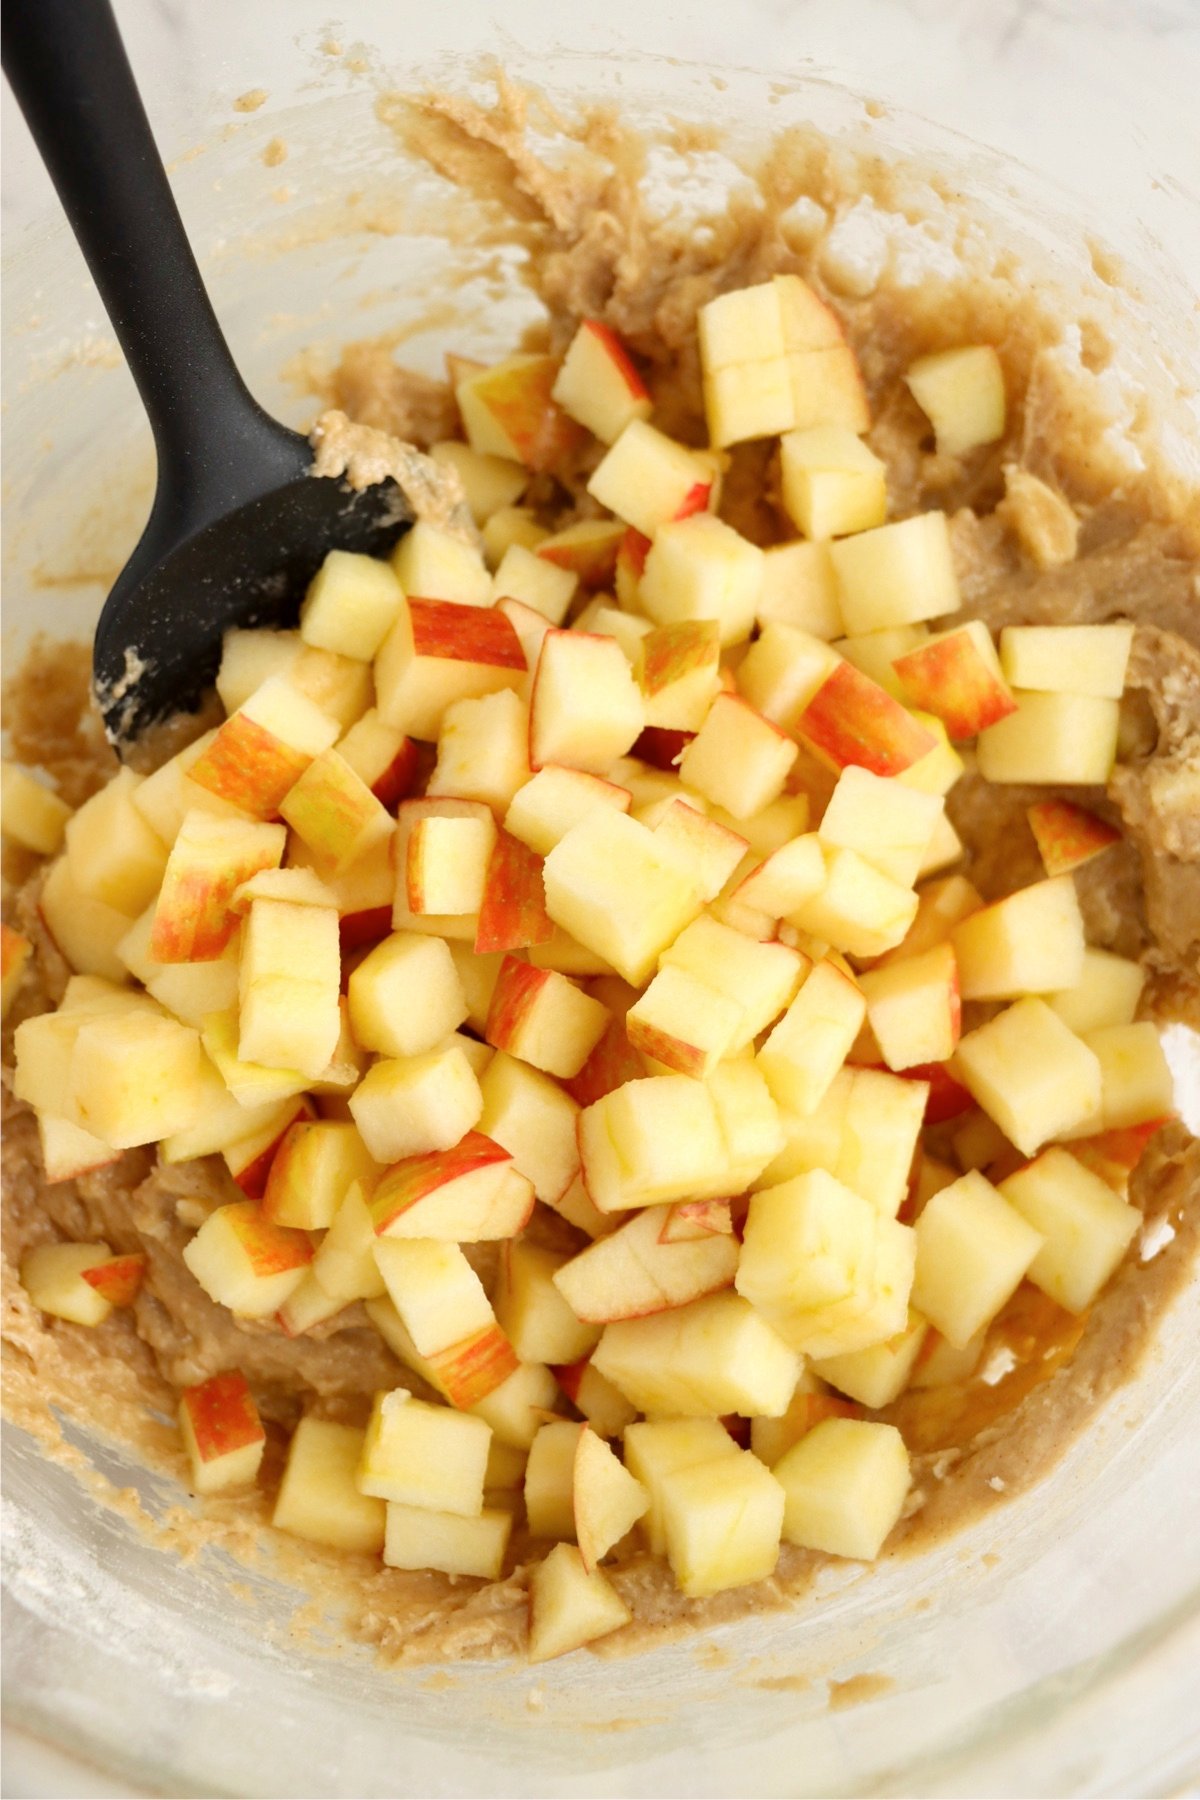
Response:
column 158, row 643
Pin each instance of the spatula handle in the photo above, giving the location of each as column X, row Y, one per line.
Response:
column 68, row 69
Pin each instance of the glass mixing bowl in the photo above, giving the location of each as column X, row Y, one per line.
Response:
column 1053, row 1647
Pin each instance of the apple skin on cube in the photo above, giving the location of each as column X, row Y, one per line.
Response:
column 255, row 1136
column 1085, row 1227
column 406, row 1106
column 319, row 1497
column 598, row 384
column 898, row 574
column 1031, row 1074
column 222, row 1433
column 698, row 567
column 956, row 676
column 1061, row 739
column 845, row 1484
column 973, row 1251
column 112, row 853
column 535, row 1119
column 738, row 759
column 462, row 1195
column 568, row 1607
column 678, row 670
column 683, row 1023
column 34, row 815
column 1067, row 836
column 541, row 1017
column 438, row 652
column 385, row 758
column 350, row 604
column 614, row 1061
column 311, row 1171
column 832, row 483
column 53, row 1275
column 1032, row 942
column 406, row 996
column 634, row 1272
column 508, row 410
column 420, row 1539
column 586, row 550
column 649, row 480
column 850, row 719
column 246, row 1263
column 194, row 916
column 335, row 813
column 722, row 1522
column 586, row 709
column 915, row 1008
column 612, row 885
column 423, row 1455
column 515, row 912
column 607, row 1500
column 713, row 1356
column 1067, row 659
column 446, row 863
column 961, row 392
column 264, row 747
column 810, row 1043
column 69, row 1151
column 442, row 1324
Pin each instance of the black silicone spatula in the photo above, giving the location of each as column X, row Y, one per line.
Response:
column 238, row 524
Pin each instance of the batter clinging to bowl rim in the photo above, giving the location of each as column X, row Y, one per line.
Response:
column 752, row 853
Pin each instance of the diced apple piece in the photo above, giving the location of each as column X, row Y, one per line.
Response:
column 914, row 1008
column 699, row 568
column 859, row 910
column 799, row 589
column 827, row 388
column 588, row 551
column 350, row 605
column 807, row 1244
column 334, row 811
column 1085, row 1227
column 649, row 480
column 598, row 384
column 53, row 1275
column 655, row 1449
column 1067, row 836
column 606, row 1411
column 942, row 905
column 508, row 410
column 384, row 758
column 222, row 1433
column 832, row 483
column 749, row 1120
column 613, row 1061
column 531, row 1116
column 722, row 1522
column 851, row 720
column 783, row 670
column 748, row 400
column 426, row 1456
column 714, row 1356
column 190, row 990
column 956, row 676
column 938, row 770
column 635, row 1271
column 760, row 978
column 879, row 1374
column 541, row 1017
column 961, row 393
column 246, row 1263
column 483, row 750
column 511, row 525
column 886, row 823
column 845, row 1485
column 897, row 574
column 1135, row 1077
column 586, row 709
column 607, row 1500
column 872, row 652
column 306, row 1307
column 33, row 814
column 1062, row 739
column 264, row 747
column 545, row 808
column 568, row 1607
column 514, row 913
column 785, row 879
column 678, row 670
column 738, row 759
column 1029, row 943
column 1067, row 659
column 248, row 658
column 69, row 1151
column 439, row 652
column 612, row 885
column 490, row 484
column 406, row 996
column 538, row 582
column 941, row 1364
column 771, row 1438
column 14, row 955
column 195, row 916
column 810, row 1043
column 248, row 1137
column 288, row 984
column 973, row 1250
column 549, row 1480
column 538, row 1321
column 665, row 1137
column 136, row 1077
column 879, row 1127
column 446, row 862
column 461, row 1195
column 86, row 931
column 112, row 854
column 1030, row 1074
column 319, row 1497
column 430, row 563
column 708, row 850
column 251, row 1084
column 420, row 1539
column 311, row 1172
column 406, row 1106
column 1107, row 993
column 683, row 1022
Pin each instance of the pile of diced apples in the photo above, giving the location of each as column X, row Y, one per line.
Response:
column 670, row 942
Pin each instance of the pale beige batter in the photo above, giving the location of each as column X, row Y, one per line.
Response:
column 1047, row 525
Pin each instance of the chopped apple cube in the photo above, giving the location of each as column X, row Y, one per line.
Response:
column 418, row 1538
column 508, row 410
column 606, row 1411
column 1107, row 993
column 463, row 1195
column 1085, row 1227
column 531, row 1308
column 607, row 1500
column 938, row 770
column 679, row 673
column 873, row 652
column 845, row 1484
column 245, row 1262
column 53, row 1275
column 445, row 1328
column 1067, row 836
column 288, row 984
column 211, row 858
column 112, row 853
column 335, row 813
column 1031, row 1074
column 535, row 1120
column 961, row 393
column 886, row 823
column 832, row 484
column 738, row 759
column 1135, row 1077
column 807, row 1244
column 136, row 1077
column 350, row 605
column 483, row 750
column 550, row 1480
column 760, row 978
column 940, row 1364
column 785, row 879
column 709, row 851
column 859, row 909
column 588, row 551
column 783, row 669
column 700, row 568
column 612, row 885
column 406, row 996
column 1067, row 659
column 800, row 589
column 586, row 709
column 222, row 1433
column 748, row 399
column 683, row 1022
column 1063, row 739
column 942, row 905
column 649, row 480
column 511, row 525
column 544, row 809
column 248, row 659
column 68, row 1151
column 426, row 1456
column 850, row 719
column 438, row 652
column 827, row 388
column 433, row 564
column 879, row 1374
column 810, row 1043
column 264, row 747
column 319, row 1498
column 956, row 676
column 716, row 1355
column 33, row 814
column 490, row 484
column 312, row 1170
column 1029, row 943
column 568, row 1607
column 598, row 384
column 722, row 1522
column 541, row 1017
column 446, row 862
column 973, row 1250
column 635, row 1271
column 665, row 1137
column 385, row 758
column 536, row 581
column 741, row 327
column 896, row 574
column 655, row 1449
column 914, row 1008
column 406, row 1106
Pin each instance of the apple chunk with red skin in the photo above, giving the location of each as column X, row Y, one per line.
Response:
column 648, row 479
column 851, row 719
column 587, row 549
column 440, row 651
column 384, row 758
column 246, row 1263
column 222, row 1432
column 540, row 1016
column 466, row 1194
column 637, row 1271
column 956, row 676
column 449, row 1318
column 118, row 1279
column 679, row 672
column 509, row 410
column 194, row 916
column 598, row 384
column 335, row 813
column 264, row 747
column 1067, row 836
column 514, row 914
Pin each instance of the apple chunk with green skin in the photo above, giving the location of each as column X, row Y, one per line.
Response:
column 194, row 916
column 585, row 710
column 850, row 719
column 246, row 1263
column 614, row 887
column 319, row 1498
column 335, row 813
column 845, row 1484
column 462, row 1195
column 915, row 1008
column 541, row 1017
column 598, row 384
column 1085, row 1227
column 636, row 1271
column 956, row 676
column 648, row 479
column 14, row 954
column 440, row 651
column 264, row 747
column 961, row 393
column 222, row 1433
column 568, row 1607
column 509, row 410
column 608, row 1501
column 1067, row 836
